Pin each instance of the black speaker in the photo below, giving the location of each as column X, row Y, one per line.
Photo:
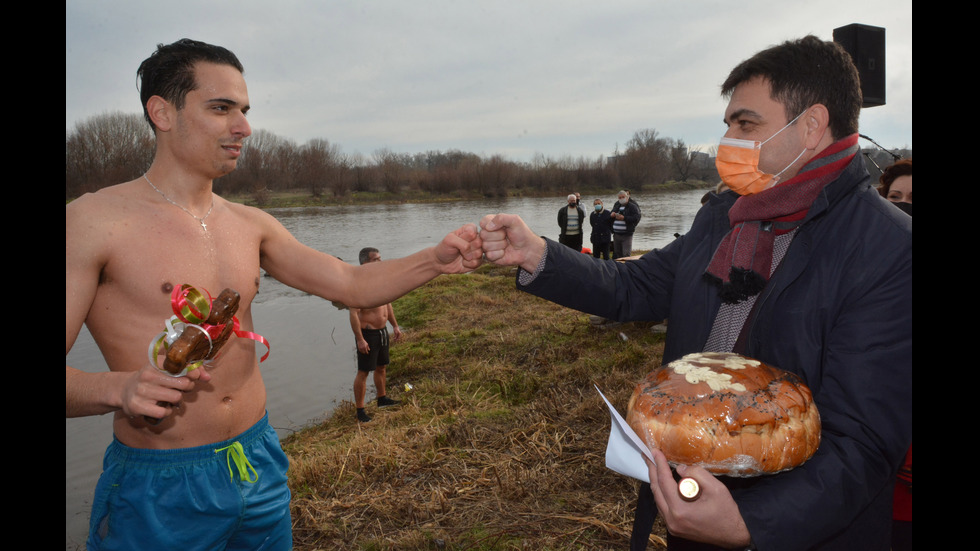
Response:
column 866, row 44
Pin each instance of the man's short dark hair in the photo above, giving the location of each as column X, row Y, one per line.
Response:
column 365, row 255
column 169, row 71
column 802, row 73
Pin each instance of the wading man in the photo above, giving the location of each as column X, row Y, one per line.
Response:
column 802, row 266
column 170, row 485
column 370, row 327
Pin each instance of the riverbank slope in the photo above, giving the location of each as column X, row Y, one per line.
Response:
column 499, row 445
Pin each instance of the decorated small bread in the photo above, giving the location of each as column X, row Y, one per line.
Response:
column 198, row 343
column 727, row 413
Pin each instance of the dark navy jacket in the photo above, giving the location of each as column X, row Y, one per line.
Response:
column 601, row 226
column 837, row 312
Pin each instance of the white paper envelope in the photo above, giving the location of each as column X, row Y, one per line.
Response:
column 625, row 450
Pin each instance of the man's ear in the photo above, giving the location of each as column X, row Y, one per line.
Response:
column 161, row 112
column 817, row 123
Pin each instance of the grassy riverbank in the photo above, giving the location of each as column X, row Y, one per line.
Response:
column 501, row 443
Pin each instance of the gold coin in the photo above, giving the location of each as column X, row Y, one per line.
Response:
column 689, row 489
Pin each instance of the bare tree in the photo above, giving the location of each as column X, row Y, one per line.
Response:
column 340, row 177
column 496, row 175
column 317, row 164
column 645, row 161
column 104, row 150
column 392, row 169
column 682, row 160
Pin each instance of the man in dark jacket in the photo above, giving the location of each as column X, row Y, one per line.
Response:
column 813, row 275
column 571, row 220
column 625, row 215
column 601, row 230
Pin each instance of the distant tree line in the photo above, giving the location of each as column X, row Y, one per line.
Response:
column 116, row 147
column 104, row 150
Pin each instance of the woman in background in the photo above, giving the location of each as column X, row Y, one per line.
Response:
column 895, row 184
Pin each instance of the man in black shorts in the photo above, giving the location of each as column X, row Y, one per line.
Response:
column 370, row 326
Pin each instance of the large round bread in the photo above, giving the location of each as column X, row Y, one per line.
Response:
column 727, row 413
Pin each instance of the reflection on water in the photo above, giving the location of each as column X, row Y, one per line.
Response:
column 311, row 366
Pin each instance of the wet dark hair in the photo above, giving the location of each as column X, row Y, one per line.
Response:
column 900, row 168
column 169, row 71
column 802, row 73
column 365, row 255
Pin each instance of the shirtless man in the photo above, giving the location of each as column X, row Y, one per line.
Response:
column 126, row 247
column 372, row 323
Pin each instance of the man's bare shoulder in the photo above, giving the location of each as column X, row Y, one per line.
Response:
column 93, row 219
column 122, row 191
column 268, row 230
column 103, row 204
column 251, row 215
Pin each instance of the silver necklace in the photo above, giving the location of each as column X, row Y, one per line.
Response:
column 182, row 207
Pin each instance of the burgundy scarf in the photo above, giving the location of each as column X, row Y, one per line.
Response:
column 743, row 261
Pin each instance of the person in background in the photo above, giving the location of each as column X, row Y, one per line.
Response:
column 370, row 326
column 625, row 216
column 895, row 184
column 601, row 230
column 571, row 220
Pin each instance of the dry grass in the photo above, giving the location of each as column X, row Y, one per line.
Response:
column 499, row 446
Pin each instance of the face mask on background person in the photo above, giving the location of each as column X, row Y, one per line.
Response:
column 738, row 164
column 904, row 207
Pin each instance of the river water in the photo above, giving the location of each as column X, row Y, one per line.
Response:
column 311, row 366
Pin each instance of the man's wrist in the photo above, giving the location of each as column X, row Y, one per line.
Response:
column 537, row 252
column 525, row 277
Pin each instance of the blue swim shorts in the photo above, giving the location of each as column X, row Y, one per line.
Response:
column 206, row 498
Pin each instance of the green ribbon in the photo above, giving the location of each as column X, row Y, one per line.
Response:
column 237, row 454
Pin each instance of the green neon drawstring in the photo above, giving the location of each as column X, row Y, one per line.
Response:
column 237, row 454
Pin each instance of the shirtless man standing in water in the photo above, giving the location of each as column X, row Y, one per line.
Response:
column 126, row 247
column 372, row 355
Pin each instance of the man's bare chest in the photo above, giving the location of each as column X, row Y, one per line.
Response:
column 145, row 265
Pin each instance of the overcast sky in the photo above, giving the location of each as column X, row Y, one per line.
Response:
column 559, row 78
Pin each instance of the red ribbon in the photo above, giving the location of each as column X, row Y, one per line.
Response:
column 190, row 306
column 254, row 336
